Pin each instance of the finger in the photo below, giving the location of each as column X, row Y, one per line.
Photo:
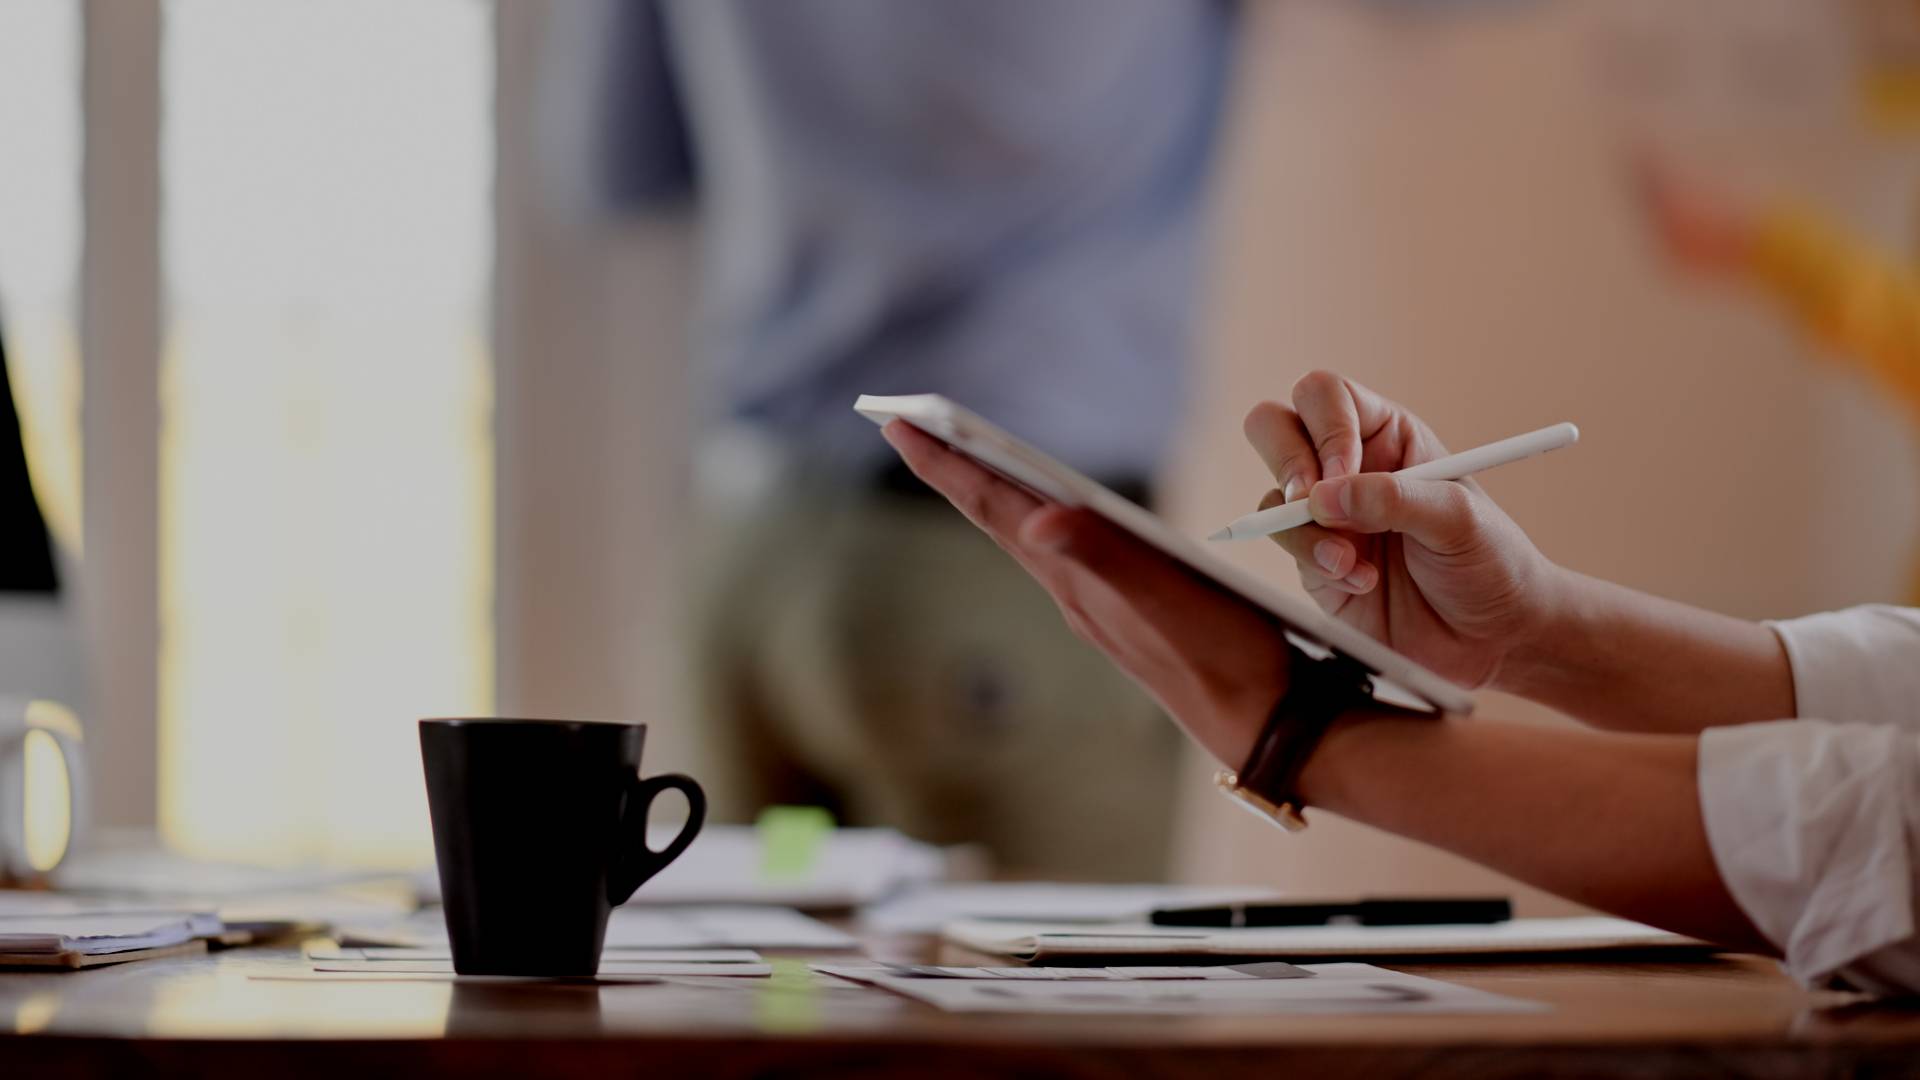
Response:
column 1149, row 582
column 1084, row 625
column 989, row 501
column 1357, row 428
column 1323, row 556
column 1327, row 409
column 1439, row 514
column 1316, row 546
column 1357, row 581
column 1277, row 435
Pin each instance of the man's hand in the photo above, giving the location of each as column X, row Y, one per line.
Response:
column 1215, row 662
column 1431, row 567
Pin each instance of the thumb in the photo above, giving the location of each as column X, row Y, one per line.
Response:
column 1438, row 514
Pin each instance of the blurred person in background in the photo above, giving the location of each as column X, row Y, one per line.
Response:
column 996, row 200
column 26, row 548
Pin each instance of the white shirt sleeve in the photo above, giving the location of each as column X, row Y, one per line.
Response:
column 1815, row 823
column 1861, row 665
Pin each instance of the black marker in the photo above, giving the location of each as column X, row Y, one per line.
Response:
column 1435, row 912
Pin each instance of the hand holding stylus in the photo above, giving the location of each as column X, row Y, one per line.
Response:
column 1433, row 568
column 1277, row 519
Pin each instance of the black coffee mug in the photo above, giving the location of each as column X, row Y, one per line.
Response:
column 540, row 830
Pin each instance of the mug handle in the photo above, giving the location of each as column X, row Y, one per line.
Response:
column 637, row 862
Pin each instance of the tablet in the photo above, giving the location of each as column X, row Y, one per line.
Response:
column 1396, row 678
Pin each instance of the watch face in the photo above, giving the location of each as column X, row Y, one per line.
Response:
column 1285, row 816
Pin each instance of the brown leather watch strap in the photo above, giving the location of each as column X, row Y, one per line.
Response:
column 1318, row 693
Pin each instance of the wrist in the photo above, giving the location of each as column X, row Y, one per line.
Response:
column 1320, row 693
column 1335, row 778
column 1559, row 618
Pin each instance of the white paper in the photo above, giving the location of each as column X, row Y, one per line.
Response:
column 928, row 908
column 1587, row 934
column 1333, row 989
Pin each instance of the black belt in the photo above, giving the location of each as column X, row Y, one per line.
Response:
column 895, row 478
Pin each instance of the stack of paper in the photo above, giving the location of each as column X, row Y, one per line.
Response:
column 84, row 939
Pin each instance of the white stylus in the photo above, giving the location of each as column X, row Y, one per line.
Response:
column 1452, row 467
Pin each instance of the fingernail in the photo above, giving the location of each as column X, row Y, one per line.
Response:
column 1334, row 466
column 1327, row 553
column 1294, row 488
column 1363, row 577
column 1331, row 502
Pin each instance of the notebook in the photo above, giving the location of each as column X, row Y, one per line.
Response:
column 1071, row 943
column 82, row 939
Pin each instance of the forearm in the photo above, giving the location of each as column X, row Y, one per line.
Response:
column 1611, row 821
column 1625, row 660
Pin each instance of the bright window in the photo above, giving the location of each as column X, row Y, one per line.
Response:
column 40, row 244
column 326, row 462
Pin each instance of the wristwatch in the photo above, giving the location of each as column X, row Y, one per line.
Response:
column 1318, row 693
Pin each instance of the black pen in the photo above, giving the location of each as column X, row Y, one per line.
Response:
column 1411, row 912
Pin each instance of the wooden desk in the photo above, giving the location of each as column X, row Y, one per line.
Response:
column 1734, row 1015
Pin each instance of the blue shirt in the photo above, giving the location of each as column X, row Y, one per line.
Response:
column 998, row 200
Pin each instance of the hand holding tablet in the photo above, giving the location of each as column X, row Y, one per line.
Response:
column 1001, row 508
column 1438, row 610
column 1215, row 662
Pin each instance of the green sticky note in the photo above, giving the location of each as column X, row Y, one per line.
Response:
column 790, row 839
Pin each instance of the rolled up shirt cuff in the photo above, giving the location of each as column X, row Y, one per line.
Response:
column 1808, row 822
column 1853, row 666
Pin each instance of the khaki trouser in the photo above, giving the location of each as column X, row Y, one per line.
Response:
column 876, row 654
